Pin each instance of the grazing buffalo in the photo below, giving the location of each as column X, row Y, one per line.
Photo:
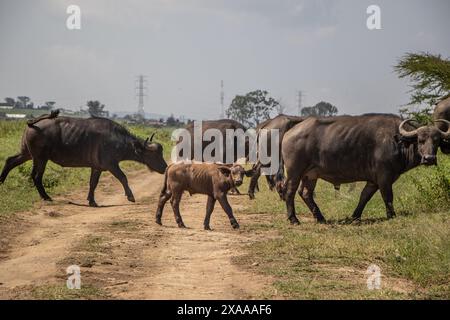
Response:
column 282, row 123
column 222, row 125
column 442, row 111
column 374, row 148
column 97, row 143
column 213, row 180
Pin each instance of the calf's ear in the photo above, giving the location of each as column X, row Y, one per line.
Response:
column 224, row 170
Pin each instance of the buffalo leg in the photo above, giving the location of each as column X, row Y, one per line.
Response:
column 175, row 202
column 388, row 197
column 93, row 182
column 161, row 203
column 254, row 180
column 270, row 181
column 307, row 194
column 11, row 163
column 36, row 174
column 291, row 188
column 366, row 194
column 235, row 191
column 118, row 173
column 228, row 210
column 209, row 209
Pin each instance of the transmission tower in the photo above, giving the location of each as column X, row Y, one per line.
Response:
column 222, row 96
column 299, row 103
column 141, row 93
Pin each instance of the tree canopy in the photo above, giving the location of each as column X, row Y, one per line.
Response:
column 429, row 75
column 96, row 109
column 252, row 108
column 321, row 109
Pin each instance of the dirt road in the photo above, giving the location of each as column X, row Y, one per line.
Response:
column 123, row 253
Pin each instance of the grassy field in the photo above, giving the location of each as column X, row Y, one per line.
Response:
column 309, row 261
column 313, row 261
column 18, row 192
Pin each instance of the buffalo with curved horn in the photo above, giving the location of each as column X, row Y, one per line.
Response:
column 375, row 148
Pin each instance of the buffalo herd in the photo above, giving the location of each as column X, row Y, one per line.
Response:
column 372, row 148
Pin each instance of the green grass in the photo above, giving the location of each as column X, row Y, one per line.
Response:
column 18, row 192
column 314, row 261
column 56, row 292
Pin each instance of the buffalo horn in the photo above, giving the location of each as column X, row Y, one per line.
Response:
column 445, row 135
column 407, row 134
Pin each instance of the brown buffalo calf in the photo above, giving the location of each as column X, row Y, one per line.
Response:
column 212, row 180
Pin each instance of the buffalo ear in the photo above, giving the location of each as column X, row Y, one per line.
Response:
column 404, row 140
column 445, row 146
column 224, row 170
column 249, row 173
column 138, row 147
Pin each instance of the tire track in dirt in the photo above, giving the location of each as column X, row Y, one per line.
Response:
column 125, row 254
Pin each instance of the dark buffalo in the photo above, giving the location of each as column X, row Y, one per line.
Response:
column 282, row 123
column 97, row 143
column 373, row 148
column 221, row 125
column 442, row 111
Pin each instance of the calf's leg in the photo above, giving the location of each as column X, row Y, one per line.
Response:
column 161, row 203
column 118, row 173
column 209, row 209
column 36, row 174
column 307, row 194
column 175, row 202
column 13, row 162
column 228, row 210
column 93, row 182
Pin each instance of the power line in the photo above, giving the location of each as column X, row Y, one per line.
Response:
column 222, row 98
column 299, row 102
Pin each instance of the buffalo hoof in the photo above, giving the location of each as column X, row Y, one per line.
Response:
column 93, row 204
column 391, row 215
column 207, row 228
column 251, row 196
column 352, row 220
column 48, row 199
column 131, row 198
column 294, row 221
column 321, row 220
column 235, row 225
column 158, row 221
column 181, row 225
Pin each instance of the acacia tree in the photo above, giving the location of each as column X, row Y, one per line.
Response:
column 96, row 109
column 253, row 108
column 23, row 102
column 429, row 75
column 321, row 109
column 10, row 101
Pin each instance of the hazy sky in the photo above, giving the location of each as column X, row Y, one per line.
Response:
column 186, row 47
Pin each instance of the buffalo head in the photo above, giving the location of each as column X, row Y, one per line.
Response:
column 236, row 172
column 151, row 153
column 428, row 139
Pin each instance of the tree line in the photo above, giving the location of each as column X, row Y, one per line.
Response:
column 429, row 77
